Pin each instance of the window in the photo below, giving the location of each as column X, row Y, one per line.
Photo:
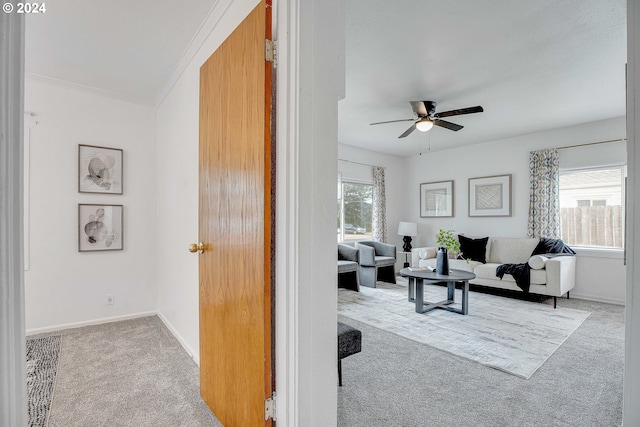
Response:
column 592, row 207
column 355, row 211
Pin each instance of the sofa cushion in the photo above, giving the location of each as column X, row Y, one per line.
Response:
column 537, row 262
column 474, row 249
column 426, row 253
column 347, row 266
column 488, row 271
column 456, row 264
column 382, row 261
column 509, row 250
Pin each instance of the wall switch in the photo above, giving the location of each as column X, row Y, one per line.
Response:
column 110, row 299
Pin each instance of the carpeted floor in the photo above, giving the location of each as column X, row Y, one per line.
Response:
column 398, row 382
column 130, row 373
column 134, row 373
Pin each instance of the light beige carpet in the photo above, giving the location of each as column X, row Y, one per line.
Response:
column 508, row 334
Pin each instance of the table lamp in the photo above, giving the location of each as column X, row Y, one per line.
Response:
column 408, row 230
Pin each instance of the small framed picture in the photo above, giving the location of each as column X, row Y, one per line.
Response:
column 100, row 228
column 99, row 169
column 490, row 196
column 436, row 199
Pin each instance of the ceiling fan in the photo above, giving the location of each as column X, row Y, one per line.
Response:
column 427, row 117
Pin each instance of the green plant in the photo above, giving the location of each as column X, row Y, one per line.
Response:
column 448, row 240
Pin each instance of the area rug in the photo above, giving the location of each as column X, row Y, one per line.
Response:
column 42, row 364
column 508, row 334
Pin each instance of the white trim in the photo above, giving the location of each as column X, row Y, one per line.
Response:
column 210, row 23
column 195, row 355
column 598, row 252
column 596, row 298
column 13, row 386
column 65, row 84
column 64, row 326
column 287, row 121
column 26, row 184
column 631, row 395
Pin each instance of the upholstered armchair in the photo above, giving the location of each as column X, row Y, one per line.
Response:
column 377, row 263
column 348, row 262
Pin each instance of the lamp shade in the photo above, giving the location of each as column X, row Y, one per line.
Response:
column 424, row 125
column 408, row 229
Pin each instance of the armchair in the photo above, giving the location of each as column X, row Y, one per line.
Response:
column 348, row 262
column 377, row 262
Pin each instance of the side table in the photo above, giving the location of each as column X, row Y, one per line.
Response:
column 406, row 258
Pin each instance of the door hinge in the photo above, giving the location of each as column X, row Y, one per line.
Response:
column 270, row 408
column 270, row 51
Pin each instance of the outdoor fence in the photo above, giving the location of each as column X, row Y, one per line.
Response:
column 592, row 226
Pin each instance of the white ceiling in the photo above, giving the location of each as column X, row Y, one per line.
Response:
column 532, row 65
column 129, row 48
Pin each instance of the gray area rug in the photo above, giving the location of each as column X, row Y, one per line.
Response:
column 42, row 363
column 508, row 334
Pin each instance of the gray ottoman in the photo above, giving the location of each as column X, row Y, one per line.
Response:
column 349, row 342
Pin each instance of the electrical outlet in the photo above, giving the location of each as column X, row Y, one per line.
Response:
column 110, row 299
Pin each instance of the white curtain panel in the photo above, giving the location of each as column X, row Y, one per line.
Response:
column 379, row 205
column 544, row 194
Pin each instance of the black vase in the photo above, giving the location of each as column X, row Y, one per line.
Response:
column 442, row 262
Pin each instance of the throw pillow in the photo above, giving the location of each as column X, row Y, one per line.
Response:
column 537, row 262
column 475, row 249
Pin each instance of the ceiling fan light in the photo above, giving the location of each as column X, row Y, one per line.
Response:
column 424, row 125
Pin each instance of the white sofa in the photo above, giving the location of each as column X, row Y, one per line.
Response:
column 549, row 276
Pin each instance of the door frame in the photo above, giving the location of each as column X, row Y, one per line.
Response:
column 306, row 155
column 13, row 387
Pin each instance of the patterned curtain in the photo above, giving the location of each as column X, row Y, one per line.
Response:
column 379, row 205
column 544, row 195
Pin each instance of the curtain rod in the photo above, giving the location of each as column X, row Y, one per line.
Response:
column 363, row 164
column 592, row 143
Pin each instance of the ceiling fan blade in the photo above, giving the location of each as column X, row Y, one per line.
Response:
column 459, row 112
column 419, row 108
column 448, row 125
column 408, row 131
column 392, row 121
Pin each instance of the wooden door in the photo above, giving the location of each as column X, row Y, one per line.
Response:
column 235, row 225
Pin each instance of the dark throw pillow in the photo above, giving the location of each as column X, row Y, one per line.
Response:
column 474, row 249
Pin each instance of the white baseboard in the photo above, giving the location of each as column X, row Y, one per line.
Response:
column 596, row 298
column 89, row 323
column 195, row 355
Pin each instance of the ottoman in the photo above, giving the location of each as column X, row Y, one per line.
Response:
column 349, row 342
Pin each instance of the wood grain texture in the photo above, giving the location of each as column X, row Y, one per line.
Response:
column 235, row 224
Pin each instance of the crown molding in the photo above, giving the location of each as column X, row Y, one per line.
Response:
column 211, row 21
column 38, row 78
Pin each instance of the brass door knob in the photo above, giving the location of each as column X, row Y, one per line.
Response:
column 193, row 248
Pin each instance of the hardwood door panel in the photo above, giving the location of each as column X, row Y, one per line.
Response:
column 235, row 225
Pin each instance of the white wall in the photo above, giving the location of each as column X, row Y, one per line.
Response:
column 177, row 201
column 597, row 277
column 64, row 287
column 395, row 180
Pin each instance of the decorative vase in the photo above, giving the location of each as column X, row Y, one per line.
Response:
column 442, row 262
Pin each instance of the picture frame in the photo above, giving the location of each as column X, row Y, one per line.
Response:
column 100, row 228
column 436, row 199
column 490, row 196
column 99, row 169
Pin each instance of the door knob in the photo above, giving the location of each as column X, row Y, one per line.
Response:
column 193, row 248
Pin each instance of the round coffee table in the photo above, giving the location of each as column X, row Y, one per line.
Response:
column 416, row 289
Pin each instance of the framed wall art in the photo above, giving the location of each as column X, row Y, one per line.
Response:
column 100, row 228
column 490, row 196
column 436, row 199
column 99, row 169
